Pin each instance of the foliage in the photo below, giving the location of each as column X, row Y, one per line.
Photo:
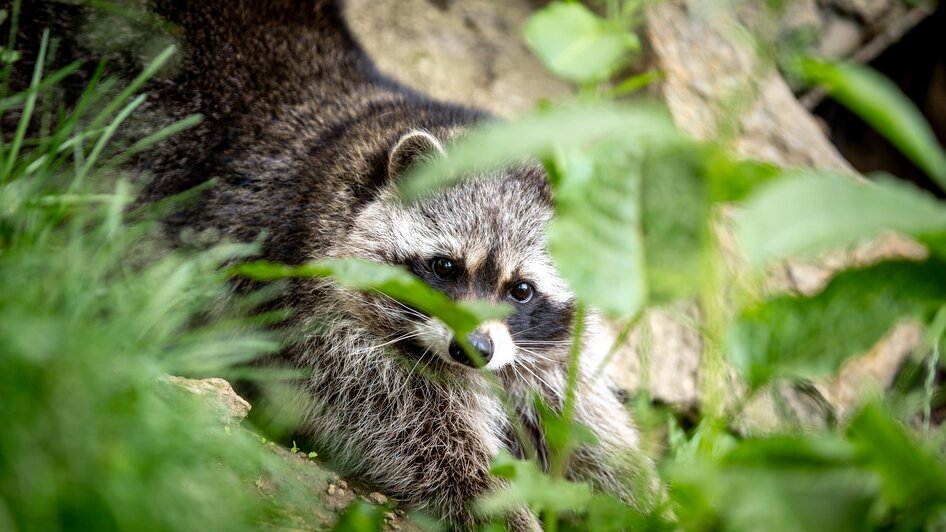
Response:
column 93, row 313
column 576, row 44
column 93, row 316
column 878, row 101
column 812, row 336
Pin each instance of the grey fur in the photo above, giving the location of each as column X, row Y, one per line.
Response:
column 307, row 141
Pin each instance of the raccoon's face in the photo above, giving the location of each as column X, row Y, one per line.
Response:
column 482, row 239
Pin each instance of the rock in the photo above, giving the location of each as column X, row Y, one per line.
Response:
column 662, row 356
column 706, row 68
column 866, row 10
column 219, row 390
column 841, row 38
column 468, row 52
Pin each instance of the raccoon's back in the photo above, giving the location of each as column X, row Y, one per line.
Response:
column 297, row 120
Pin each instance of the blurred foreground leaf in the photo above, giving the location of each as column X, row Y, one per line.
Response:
column 676, row 211
column 812, row 336
column 576, row 44
column 913, row 478
column 783, row 483
column 881, row 104
column 361, row 516
column 461, row 316
column 541, row 135
column 803, row 214
column 595, row 238
column 528, row 486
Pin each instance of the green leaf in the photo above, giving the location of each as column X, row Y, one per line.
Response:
column 361, row 516
column 635, row 83
column 576, row 44
column 527, row 486
column 562, row 434
column 799, row 483
column 733, row 180
column 812, row 336
column 607, row 513
column 540, row 135
column 911, row 476
column 882, row 105
column 595, row 238
column 792, row 452
column 806, row 213
column 675, row 215
column 462, row 317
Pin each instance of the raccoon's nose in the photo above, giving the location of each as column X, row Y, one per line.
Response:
column 479, row 342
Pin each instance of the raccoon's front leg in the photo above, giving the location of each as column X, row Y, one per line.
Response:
column 442, row 456
column 453, row 451
column 616, row 465
column 426, row 443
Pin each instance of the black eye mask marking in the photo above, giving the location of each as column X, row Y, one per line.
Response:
column 541, row 320
column 535, row 319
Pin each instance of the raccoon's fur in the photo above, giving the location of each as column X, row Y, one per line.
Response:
column 308, row 141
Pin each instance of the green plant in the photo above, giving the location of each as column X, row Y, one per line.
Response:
column 93, row 313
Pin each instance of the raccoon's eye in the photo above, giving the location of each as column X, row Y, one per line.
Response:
column 522, row 292
column 444, row 268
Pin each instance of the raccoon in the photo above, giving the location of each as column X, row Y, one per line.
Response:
column 308, row 143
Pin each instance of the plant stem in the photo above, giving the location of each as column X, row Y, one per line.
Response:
column 714, row 375
column 935, row 337
column 620, row 340
column 568, row 409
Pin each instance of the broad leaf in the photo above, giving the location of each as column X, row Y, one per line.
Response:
column 783, row 483
column 806, row 213
column 675, row 214
column 540, row 135
column 361, row 517
column 733, row 180
column 595, row 238
column 390, row 280
column 527, row 486
column 576, row 44
column 881, row 104
column 811, row 336
column 912, row 477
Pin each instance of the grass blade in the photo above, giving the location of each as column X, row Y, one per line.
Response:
column 17, row 143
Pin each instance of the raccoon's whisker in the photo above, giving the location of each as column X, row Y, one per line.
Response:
column 519, row 375
column 536, row 376
column 411, row 372
column 393, row 334
column 535, row 354
column 402, row 305
column 395, row 314
column 517, row 333
column 545, row 344
column 398, row 339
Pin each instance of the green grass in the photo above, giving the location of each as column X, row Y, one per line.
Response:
column 94, row 313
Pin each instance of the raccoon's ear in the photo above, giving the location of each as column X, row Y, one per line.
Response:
column 412, row 148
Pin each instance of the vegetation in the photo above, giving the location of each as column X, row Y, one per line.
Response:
column 94, row 313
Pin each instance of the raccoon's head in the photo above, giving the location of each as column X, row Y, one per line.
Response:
column 481, row 239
